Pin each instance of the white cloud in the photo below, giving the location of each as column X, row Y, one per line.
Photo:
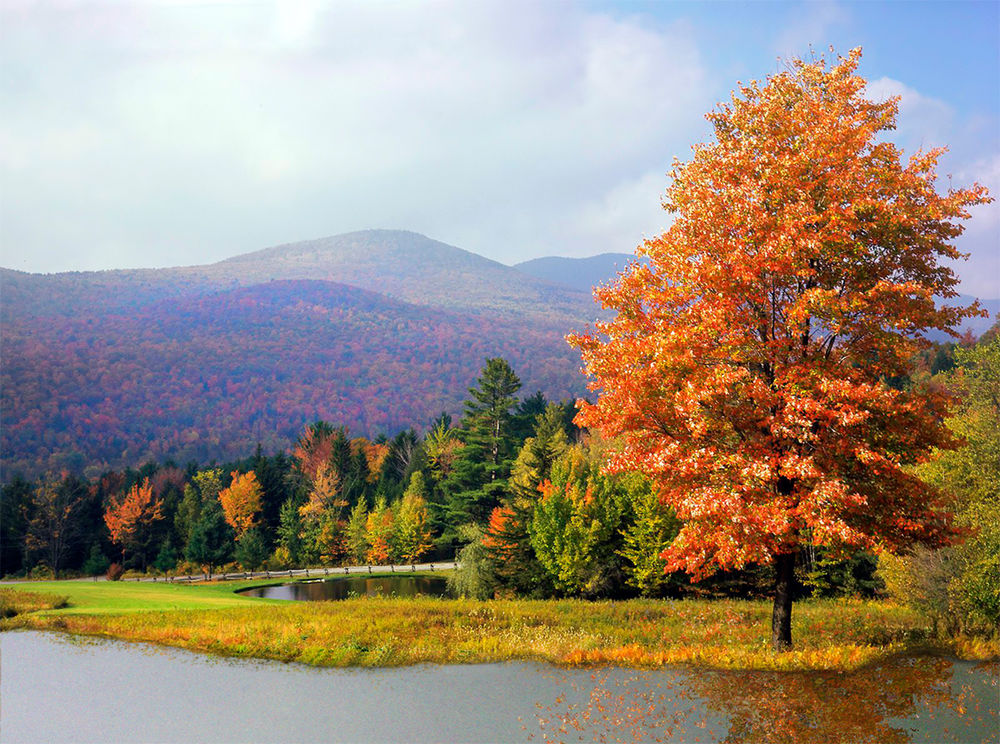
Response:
column 621, row 218
column 809, row 28
column 923, row 122
column 981, row 240
column 180, row 134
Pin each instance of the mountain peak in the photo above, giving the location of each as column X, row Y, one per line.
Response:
column 408, row 266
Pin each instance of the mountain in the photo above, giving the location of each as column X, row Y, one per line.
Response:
column 208, row 376
column 978, row 326
column 399, row 264
column 378, row 330
column 581, row 274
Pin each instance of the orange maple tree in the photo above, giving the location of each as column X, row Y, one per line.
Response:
column 131, row 513
column 747, row 368
column 241, row 501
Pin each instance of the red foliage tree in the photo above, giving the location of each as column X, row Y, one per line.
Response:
column 746, row 370
column 130, row 514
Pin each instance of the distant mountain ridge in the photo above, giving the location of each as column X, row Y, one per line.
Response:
column 396, row 263
column 582, row 274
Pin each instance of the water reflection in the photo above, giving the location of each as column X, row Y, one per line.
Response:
column 55, row 689
column 354, row 586
column 903, row 700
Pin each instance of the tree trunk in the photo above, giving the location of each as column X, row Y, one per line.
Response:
column 781, row 617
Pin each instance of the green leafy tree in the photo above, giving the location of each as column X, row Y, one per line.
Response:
column 577, row 524
column 203, row 489
column 357, row 533
column 959, row 586
column 290, row 530
column 649, row 532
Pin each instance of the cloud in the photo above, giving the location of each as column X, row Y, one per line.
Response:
column 153, row 134
column 981, row 240
column 158, row 134
column 808, row 28
column 923, row 122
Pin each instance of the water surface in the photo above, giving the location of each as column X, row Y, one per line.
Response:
column 56, row 688
column 331, row 589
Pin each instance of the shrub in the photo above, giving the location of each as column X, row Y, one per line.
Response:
column 41, row 572
column 97, row 563
column 115, row 572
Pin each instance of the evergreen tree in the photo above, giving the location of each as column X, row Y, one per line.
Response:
column 251, row 550
column 290, row 530
column 97, row 563
column 14, row 500
column 479, row 479
column 211, row 538
column 525, row 417
column 507, row 541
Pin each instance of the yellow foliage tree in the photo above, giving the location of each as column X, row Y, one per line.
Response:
column 241, row 501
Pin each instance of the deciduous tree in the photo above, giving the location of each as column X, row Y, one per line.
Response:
column 412, row 536
column 745, row 368
column 51, row 520
column 241, row 502
column 130, row 515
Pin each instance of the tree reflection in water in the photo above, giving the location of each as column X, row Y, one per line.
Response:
column 902, row 700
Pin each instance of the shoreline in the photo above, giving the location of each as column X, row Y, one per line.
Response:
column 830, row 635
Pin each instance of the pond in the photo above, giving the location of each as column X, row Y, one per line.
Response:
column 61, row 689
column 326, row 589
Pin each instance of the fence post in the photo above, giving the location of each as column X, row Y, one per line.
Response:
column 369, row 568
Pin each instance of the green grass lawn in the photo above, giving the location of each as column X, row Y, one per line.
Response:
column 111, row 597
column 211, row 618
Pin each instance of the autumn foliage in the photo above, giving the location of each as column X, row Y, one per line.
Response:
column 241, row 501
column 132, row 512
column 746, row 368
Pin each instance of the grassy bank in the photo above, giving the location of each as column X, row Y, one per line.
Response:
column 389, row 631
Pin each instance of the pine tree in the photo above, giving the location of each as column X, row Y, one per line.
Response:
column 479, row 479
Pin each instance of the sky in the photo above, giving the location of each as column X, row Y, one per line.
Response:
column 150, row 134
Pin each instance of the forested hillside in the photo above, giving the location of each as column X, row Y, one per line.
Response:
column 210, row 375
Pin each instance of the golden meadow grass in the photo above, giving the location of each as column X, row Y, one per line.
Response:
column 733, row 634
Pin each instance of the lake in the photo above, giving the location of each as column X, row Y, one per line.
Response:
column 333, row 589
column 60, row 688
